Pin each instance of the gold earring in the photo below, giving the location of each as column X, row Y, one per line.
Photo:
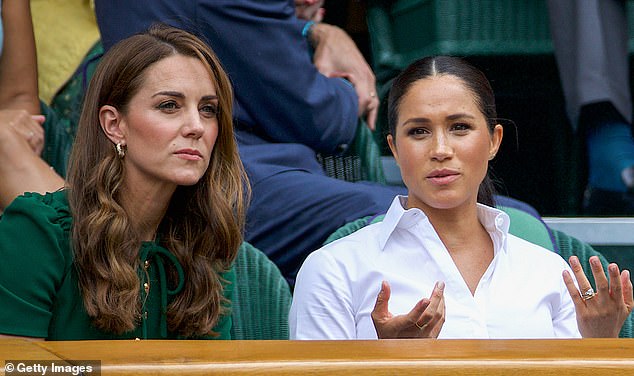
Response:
column 120, row 150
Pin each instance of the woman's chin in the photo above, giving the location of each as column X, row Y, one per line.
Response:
column 445, row 202
column 187, row 180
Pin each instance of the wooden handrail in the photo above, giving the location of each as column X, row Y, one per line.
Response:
column 407, row 357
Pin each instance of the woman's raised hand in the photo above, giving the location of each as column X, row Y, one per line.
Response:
column 600, row 313
column 424, row 321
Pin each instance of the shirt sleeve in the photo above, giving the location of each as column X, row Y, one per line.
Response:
column 565, row 318
column 33, row 250
column 278, row 88
column 322, row 306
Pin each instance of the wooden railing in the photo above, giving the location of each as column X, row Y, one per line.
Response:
column 387, row 357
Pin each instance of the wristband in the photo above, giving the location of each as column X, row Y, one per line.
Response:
column 307, row 30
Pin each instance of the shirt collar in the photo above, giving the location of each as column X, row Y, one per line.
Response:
column 495, row 221
column 398, row 216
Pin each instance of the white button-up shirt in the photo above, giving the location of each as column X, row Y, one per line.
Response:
column 521, row 295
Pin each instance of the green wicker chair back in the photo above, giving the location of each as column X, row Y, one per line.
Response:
column 261, row 298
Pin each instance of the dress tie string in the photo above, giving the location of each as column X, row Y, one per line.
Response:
column 161, row 257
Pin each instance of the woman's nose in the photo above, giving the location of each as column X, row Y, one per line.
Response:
column 193, row 126
column 441, row 148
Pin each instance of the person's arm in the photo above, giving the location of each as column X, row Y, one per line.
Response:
column 21, row 168
column 336, row 55
column 278, row 88
column 35, row 261
column 21, row 132
column 322, row 301
column 18, row 62
column 18, row 74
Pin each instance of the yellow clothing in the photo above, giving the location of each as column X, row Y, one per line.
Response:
column 64, row 32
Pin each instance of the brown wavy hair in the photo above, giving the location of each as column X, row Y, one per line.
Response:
column 203, row 224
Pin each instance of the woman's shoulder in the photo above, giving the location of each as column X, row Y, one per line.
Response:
column 360, row 245
column 50, row 207
column 39, row 218
column 526, row 252
column 360, row 240
column 57, row 199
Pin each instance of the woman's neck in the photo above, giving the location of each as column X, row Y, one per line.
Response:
column 456, row 223
column 467, row 241
column 146, row 208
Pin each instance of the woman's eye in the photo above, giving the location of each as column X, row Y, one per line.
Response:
column 460, row 127
column 209, row 110
column 168, row 106
column 417, row 131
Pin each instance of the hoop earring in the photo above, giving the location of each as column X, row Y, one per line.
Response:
column 120, row 150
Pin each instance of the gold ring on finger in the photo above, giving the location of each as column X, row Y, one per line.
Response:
column 421, row 327
column 588, row 294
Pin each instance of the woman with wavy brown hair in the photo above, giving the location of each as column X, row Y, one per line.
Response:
column 141, row 242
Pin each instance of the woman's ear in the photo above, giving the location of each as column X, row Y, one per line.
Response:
column 111, row 123
column 392, row 144
column 496, row 140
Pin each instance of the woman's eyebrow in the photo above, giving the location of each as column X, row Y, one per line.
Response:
column 460, row 115
column 423, row 120
column 169, row 94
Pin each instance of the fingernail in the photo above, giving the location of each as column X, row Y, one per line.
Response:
column 440, row 285
column 574, row 261
column 595, row 261
column 613, row 268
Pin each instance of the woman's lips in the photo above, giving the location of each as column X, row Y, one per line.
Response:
column 443, row 177
column 189, row 154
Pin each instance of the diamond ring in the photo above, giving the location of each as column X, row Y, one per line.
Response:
column 588, row 294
